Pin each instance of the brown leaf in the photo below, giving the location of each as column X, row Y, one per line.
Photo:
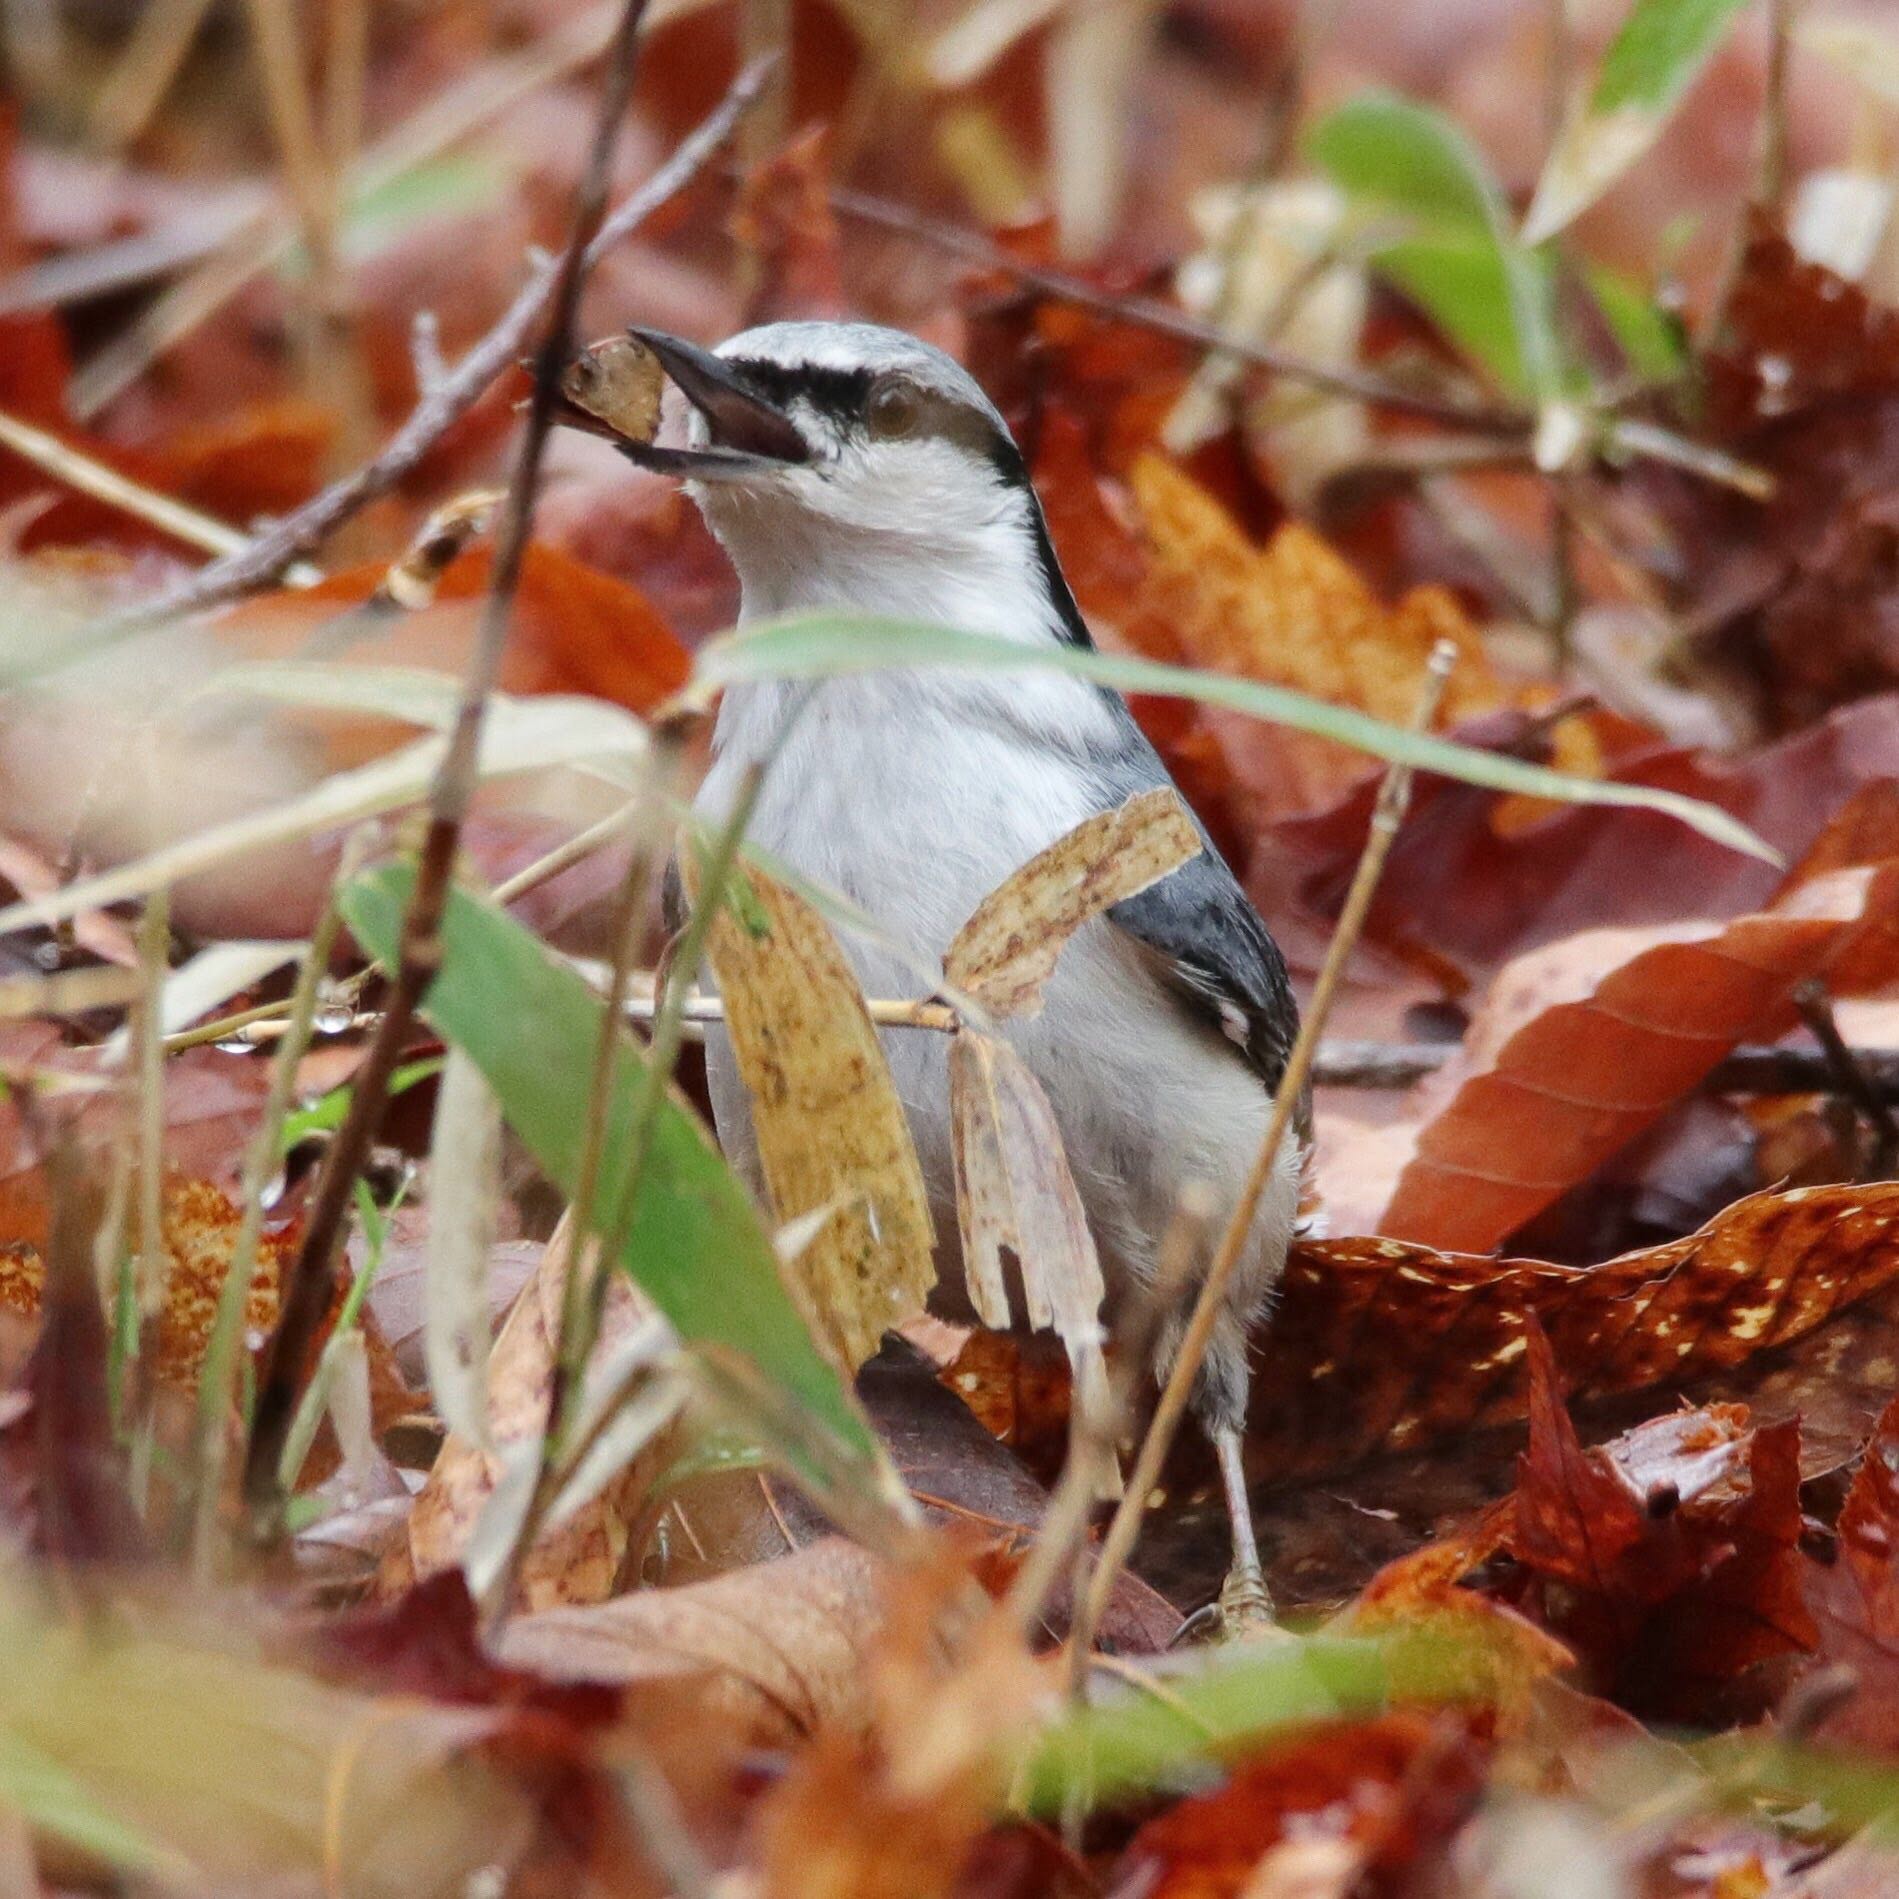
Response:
column 831, row 1130
column 582, row 1560
column 1669, row 1559
column 784, row 222
column 1005, row 954
column 210, row 1107
column 1340, row 1808
column 575, row 629
column 774, row 1650
column 1017, row 1203
column 1581, row 1046
column 1380, row 1346
column 1855, row 1598
column 892, row 1810
column 1292, row 613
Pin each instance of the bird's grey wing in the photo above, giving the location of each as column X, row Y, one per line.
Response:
column 1207, row 941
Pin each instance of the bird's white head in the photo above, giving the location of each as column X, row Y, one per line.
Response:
column 844, row 465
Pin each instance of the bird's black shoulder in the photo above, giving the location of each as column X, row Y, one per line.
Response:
column 1209, row 943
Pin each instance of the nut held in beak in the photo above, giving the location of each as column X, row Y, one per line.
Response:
column 615, row 387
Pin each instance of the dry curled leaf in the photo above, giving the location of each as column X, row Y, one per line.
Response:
column 831, row 1130
column 1005, row 954
column 1017, row 1204
column 774, row 1650
column 1379, row 1346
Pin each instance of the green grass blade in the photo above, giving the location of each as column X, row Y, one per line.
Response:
column 1649, row 65
column 818, row 646
column 697, row 1245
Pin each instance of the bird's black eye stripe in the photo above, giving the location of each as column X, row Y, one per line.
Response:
column 839, row 393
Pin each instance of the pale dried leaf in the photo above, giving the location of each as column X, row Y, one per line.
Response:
column 1007, row 951
column 464, row 1202
column 618, row 382
column 829, row 1124
column 1016, row 1199
column 775, row 1650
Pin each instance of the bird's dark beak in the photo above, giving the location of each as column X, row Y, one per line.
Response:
column 749, row 434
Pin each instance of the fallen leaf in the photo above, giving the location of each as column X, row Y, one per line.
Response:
column 1006, row 952
column 1855, row 1598
column 1340, row 1808
column 1377, row 1345
column 574, row 629
column 1580, row 1047
column 1294, row 614
column 784, row 223
column 580, row 1561
column 831, row 1130
column 774, row 1650
column 890, row 1808
column 211, row 1104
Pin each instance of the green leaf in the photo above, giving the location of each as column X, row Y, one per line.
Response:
column 815, row 646
column 1092, row 1754
column 1453, row 245
column 1466, row 289
column 697, row 1245
column 1650, row 64
column 1650, row 339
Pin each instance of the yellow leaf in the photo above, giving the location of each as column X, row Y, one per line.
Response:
column 825, row 1112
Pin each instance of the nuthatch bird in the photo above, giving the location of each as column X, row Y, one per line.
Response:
column 847, row 467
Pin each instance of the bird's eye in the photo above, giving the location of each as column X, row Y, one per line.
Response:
column 894, row 409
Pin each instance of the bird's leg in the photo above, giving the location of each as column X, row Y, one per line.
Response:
column 1246, row 1605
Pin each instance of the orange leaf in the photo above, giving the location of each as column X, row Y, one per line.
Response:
column 1583, row 1045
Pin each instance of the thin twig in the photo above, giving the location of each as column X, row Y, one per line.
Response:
column 1748, row 1070
column 162, row 33
column 1061, row 1537
column 1770, row 177
column 1394, row 794
column 1849, row 1076
column 307, row 1296
column 1148, row 314
column 263, row 560
column 238, row 256
column 588, row 1263
column 260, row 1163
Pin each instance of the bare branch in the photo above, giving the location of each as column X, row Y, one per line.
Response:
column 264, row 560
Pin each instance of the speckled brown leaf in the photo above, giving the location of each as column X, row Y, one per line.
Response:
column 831, row 1130
column 582, row 1559
column 1582, row 1046
column 1379, row 1346
column 1007, row 951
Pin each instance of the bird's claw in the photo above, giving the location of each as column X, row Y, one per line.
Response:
column 1243, row 1611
